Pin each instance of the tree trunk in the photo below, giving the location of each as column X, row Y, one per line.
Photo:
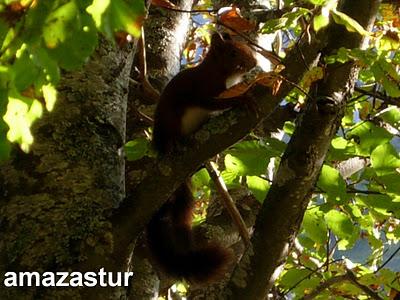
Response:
column 56, row 199
column 283, row 209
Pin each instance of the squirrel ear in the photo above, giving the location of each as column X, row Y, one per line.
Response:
column 226, row 36
column 216, row 39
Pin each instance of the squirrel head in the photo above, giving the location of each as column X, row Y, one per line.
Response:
column 233, row 57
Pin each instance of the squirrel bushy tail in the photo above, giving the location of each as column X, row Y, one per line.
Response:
column 173, row 246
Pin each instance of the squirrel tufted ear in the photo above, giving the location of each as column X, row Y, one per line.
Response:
column 220, row 37
column 216, row 39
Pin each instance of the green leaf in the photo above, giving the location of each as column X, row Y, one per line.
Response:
column 25, row 71
column 35, row 20
column 320, row 21
column 5, row 80
column 350, row 24
column 21, row 113
column 288, row 20
column 201, row 178
column 248, row 158
column 289, row 127
column 293, row 276
column 389, row 69
column 299, row 281
column 391, row 87
column 258, row 186
column 314, row 225
column 391, row 115
column 99, row 10
column 367, row 136
column 137, row 148
column 48, row 66
column 382, row 204
column 387, row 75
column 33, row 66
column 231, row 178
column 5, row 147
column 49, row 95
column 317, row 2
column 3, row 31
column 117, row 15
column 390, row 183
column 385, row 160
column 341, row 149
column 78, row 43
column 274, row 25
column 331, row 182
column 342, row 227
column 59, row 24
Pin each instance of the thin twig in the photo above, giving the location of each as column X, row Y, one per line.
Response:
column 228, row 203
column 325, row 285
column 148, row 88
column 352, row 278
column 328, row 251
column 295, row 85
column 388, row 259
column 308, row 276
column 349, row 276
column 194, row 11
column 389, row 100
column 355, row 191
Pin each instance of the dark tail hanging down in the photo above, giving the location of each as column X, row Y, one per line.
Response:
column 170, row 239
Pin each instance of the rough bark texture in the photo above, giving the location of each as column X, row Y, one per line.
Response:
column 165, row 33
column 57, row 197
column 283, row 209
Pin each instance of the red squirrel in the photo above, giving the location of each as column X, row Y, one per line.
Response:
column 189, row 98
column 184, row 106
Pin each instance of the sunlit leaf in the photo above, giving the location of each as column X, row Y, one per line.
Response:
column 331, row 182
column 59, row 24
column 385, row 160
column 368, row 136
column 392, row 116
column 342, row 227
column 50, row 96
column 201, row 178
column 350, row 24
column 258, row 186
column 248, row 158
column 320, row 21
column 78, row 43
column 314, row 225
column 137, row 148
column 117, row 15
column 21, row 113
